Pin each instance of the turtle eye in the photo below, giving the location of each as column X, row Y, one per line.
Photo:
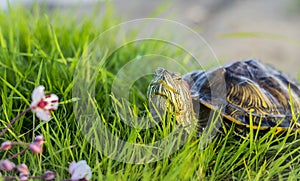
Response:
column 177, row 76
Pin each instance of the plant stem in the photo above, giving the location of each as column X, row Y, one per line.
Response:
column 16, row 178
column 13, row 121
column 9, row 177
column 19, row 143
column 17, row 154
column 35, row 177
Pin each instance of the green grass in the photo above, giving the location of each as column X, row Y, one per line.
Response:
column 39, row 49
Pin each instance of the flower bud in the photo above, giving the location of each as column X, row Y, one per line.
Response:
column 35, row 148
column 7, row 165
column 23, row 177
column 39, row 140
column 22, row 168
column 48, row 175
column 6, row 145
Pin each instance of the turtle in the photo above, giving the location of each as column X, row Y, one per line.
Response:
column 247, row 93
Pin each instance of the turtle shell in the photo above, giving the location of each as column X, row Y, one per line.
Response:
column 247, row 89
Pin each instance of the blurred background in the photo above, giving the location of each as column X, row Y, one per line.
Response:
column 268, row 30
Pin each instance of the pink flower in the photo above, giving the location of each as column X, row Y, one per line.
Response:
column 6, row 145
column 36, row 145
column 80, row 170
column 39, row 140
column 43, row 104
column 48, row 175
column 36, row 148
column 23, row 177
column 7, row 165
column 22, row 168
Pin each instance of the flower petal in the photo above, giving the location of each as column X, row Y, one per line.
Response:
column 81, row 171
column 43, row 114
column 38, row 93
column 72, row 167
column 52, row 102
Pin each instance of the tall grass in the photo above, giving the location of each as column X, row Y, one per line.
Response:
column 39, row 48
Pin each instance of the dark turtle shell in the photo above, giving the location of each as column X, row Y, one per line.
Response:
column 247, row 89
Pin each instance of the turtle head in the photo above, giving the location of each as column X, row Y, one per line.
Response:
column 169, row 92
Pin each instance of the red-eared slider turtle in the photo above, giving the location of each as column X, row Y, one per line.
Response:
column 252, row 89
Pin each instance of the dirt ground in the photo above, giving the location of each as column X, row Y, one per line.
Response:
column 269, row 29
column 274, row 23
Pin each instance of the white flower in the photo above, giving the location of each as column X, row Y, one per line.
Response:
column 80, row 170
column 43, row 104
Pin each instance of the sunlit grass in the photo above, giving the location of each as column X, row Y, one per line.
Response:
column 39, row 49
